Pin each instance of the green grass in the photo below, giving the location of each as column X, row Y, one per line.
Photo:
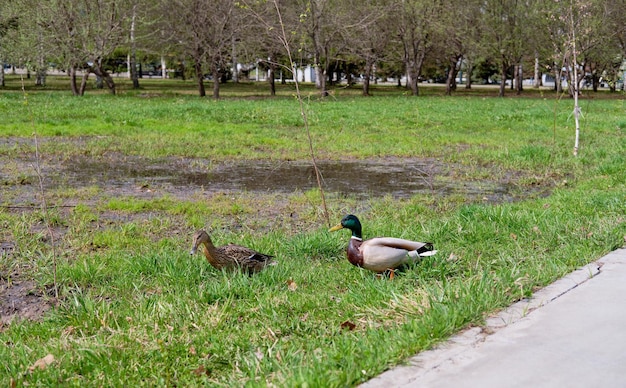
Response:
column 136, row 309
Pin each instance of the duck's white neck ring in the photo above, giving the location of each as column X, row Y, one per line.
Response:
column 356, row 238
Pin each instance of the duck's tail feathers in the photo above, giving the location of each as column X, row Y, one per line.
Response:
column 426, row 250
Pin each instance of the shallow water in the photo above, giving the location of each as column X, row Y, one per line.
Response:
column 397, row 178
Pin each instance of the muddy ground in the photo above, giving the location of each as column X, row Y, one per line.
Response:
column 86, row 179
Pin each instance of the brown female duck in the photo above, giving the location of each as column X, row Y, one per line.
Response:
column 230, row 256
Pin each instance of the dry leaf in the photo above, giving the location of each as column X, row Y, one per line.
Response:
column 42, row 363
column 291, row 285
column 192, row 350
column 513, row 236
column 348, row 325
column 201, row 370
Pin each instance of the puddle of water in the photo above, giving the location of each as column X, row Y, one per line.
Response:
column 400, row 179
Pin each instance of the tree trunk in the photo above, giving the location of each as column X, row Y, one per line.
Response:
column 503, row 78
column 320, row 73
column 468, row 77
column 320, row 80
column 270, row 78
column 338, row 73
column 413, row 84
column 2, row 82
column 366, row 79
column 40, row 75
column 99, row 82
column 413, row 65
column 200, row 78
column 132, row 66
column 99, row 71
column 83, row 84
column 216, row 82
column 519, row 76
column 72, row 74
column 132, row 63
column 570, row 82
column 574, row 88
column 452, row 72
column 234, row 60
column 450, row 81
column 163, row 68
column 537, row 80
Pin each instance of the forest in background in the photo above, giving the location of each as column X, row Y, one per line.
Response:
column 347, row 40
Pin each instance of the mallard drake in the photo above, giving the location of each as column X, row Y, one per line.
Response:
column 230, row 256
column 381, row 254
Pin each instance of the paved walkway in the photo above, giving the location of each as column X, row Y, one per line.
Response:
column 569, row 334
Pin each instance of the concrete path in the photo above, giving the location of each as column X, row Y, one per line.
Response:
column 570, row 334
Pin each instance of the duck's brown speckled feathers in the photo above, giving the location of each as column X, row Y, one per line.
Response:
column 230, row 256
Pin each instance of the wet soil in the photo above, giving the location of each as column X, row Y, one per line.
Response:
column 181, row 177
column 21, row 300
column 116, row 175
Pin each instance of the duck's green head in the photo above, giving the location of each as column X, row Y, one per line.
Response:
column 349, row 222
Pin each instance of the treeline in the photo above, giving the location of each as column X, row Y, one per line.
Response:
column 400, row 39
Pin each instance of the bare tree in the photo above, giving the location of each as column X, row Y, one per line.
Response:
column 503, row 22
column 83, row 34
column 323, row 22
column 371, row 37
column 616, row 11
column 594, row 40
column 7, row 23
column 457, row 35
column 204, row 31
column 25, row 40
column 416, row 20
column 265, row 35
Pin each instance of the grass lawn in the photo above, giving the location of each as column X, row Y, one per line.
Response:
column 135, row 308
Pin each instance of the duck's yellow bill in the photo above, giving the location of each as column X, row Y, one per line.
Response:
column 336, row 227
